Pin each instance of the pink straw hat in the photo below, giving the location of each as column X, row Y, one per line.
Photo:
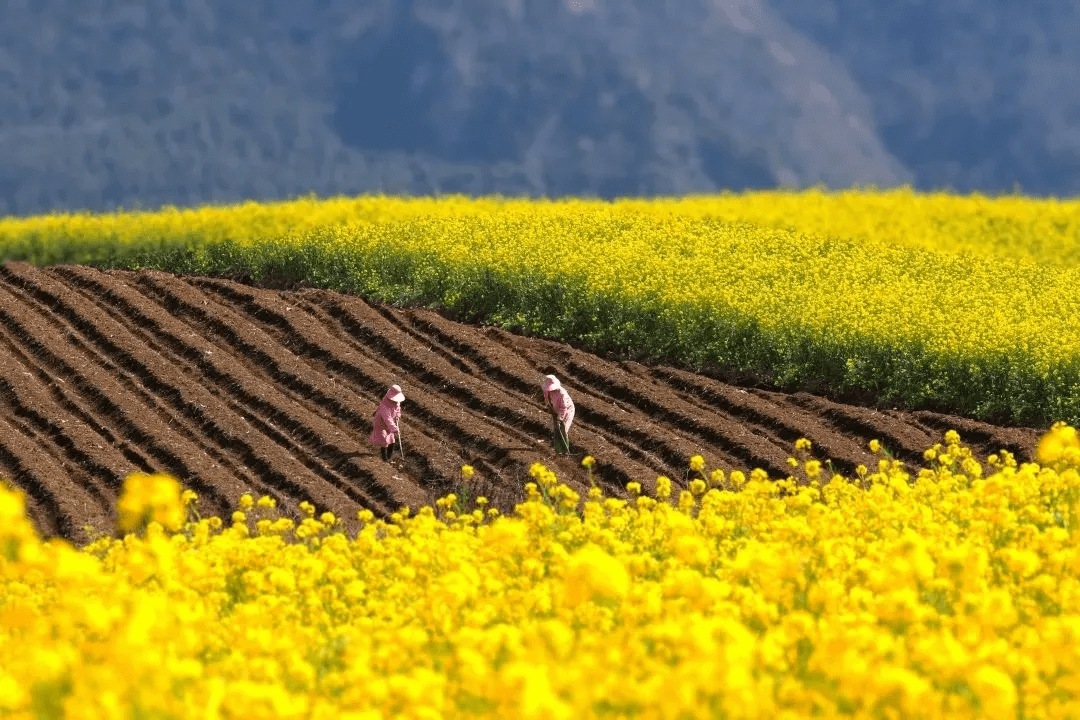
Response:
column 551, row 383
column 394, row 394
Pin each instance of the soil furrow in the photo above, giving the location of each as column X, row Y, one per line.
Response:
column 67, row 440
column 265, row 407
column 636, row 432
column 56, row 502
column 905, row 441
column 85, row 440
column 493, row 407
column 237, row 388
column 294, row 403
column 990, row 438
column 517, row 375
column 781, row 422
column 682, row 429
column 625, row 451
column 128, row 388
column 90, row 467
column 386, row 360
column 512, row 370
column 403, row 325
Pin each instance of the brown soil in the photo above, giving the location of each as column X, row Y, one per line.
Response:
column 233, row 388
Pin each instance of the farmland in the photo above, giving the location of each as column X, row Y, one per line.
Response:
column 946, row 594
column 968, row 314
column 241, row 389
column 814, row 470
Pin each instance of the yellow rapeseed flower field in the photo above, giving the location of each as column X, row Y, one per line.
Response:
column 953, row 592
column 1016, row 228
column 963, row 303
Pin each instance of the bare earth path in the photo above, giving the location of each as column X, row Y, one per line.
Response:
column 233, row 389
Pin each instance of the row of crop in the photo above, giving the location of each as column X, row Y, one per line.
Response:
column 988, row 335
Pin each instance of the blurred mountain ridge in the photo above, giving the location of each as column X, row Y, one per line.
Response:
column 110, row 103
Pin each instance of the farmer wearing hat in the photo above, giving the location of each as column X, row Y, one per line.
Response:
column 561, row 407
column 385, row 430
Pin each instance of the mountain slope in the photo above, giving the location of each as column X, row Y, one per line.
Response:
column 969, row 95
column 115, row 104
column 109, row 103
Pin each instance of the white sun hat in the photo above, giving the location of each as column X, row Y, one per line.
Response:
column 551, row 383
column 394, row 394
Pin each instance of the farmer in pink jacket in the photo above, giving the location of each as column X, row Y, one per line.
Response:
column 385, row 429
column 561, row 407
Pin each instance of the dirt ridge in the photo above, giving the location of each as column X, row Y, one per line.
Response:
column 235, row 388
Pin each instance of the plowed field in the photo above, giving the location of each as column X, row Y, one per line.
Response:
column 234, row 388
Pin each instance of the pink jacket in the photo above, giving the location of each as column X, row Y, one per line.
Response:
column 385, row 429
column 564, row 406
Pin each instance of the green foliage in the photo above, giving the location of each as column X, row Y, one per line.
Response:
column 935, row 330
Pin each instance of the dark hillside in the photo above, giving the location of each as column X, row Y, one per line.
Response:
column 108, row 103
column 968, row 95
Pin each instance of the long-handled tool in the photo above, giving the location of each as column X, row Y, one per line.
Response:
column 399, row 447
column 558, row 426
column 562, row 435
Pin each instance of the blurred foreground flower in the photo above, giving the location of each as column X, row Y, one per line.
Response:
column 1060, row 446
column 148, row 498
column 592, row 574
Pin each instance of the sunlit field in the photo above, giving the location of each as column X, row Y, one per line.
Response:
column 945, row 590
column 961, row 303
column 949, row 592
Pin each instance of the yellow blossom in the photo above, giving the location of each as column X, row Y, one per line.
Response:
column 148, row 498
column 939, row 595
column 593, row 574
column 663, row 487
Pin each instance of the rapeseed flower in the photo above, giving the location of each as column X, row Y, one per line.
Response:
column 150, row 497
column 592, row 574
column 1059, row 446
column 663, row 487
column 985, row 305
column 944, row 592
